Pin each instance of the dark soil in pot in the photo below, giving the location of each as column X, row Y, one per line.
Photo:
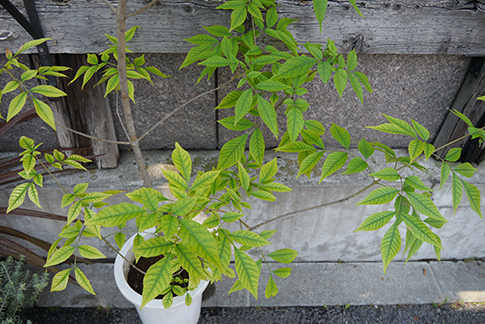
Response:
column 135, row 278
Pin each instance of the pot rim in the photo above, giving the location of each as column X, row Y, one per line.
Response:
column 134, row 297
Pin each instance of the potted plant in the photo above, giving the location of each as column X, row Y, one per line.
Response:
column 273, row 79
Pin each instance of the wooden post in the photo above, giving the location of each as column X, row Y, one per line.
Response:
column 84, row 110
column 90, row 112
column 465, row 102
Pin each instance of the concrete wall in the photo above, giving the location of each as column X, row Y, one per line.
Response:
column 324, row 234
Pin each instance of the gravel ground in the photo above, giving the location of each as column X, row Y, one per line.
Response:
column 469, row 313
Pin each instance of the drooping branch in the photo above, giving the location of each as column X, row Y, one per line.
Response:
column 252, row 228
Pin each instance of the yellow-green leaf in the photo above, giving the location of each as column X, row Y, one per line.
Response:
column 17, row 196
column 390, row 245
column 90, row 252
column 388, row 174
column 182, row 161
column 380, row 196
column 16, row 105
column 44, row 112
column 248, row 271
column 271, row 288
column 60, row 256
column 157, row 278
column 153, row 247
column 422, row 204
column 333, row 162
column 473, row 195
column 232, row 152
column 283, row 255
column 116, row 214
column 59, row 282
column 83, row 281
column 376, row 221
column 248, row 238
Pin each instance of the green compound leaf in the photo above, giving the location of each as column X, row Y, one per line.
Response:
column 271, row 85
column 48, row 91
column 232, row 152
column 457, row 191
column 282, row 272
column 59, row 282
column 268, row 115
column 445, row 173
column 271, row 288
column 264, row 195
column 473, row 195
column 333, row 162
column 268, row 171
column 190, row 262
column 453, row 154
column 422, row 204
column 248, row 271
column 419, row 229
column 204, row 179
column 243, row 105
column 257, row 146
column 248, row 238
column 354, row 82
column 413, row 243
column 241, row 125
column 340, row 80
column 90, row 252
column 324, row 71
column 416, row 147
column 295, row 147
column 274, row 186
column 167, row 300
column 156, row 280
column 388, row 174
column 341, row 135
column 320, row 7
column 200, row 240
column 182, row 161
column 356, row 165
column 116, row 215
column 83, row 281
column 238, row 16
column 376, row 221
column 296, row 66
column 312, row 138
column 428, row 150
column 380, row 196
column 416, row 183
column 465, row 169
column 34, row 195
column 295, row 122
column 283, row 255
column 183, row 206
column 60, row 256
column 17, row 196
column 365, row 148
column 243, row 176
column 231, row 217
column 309, row 162
column 120, row 239
column 230, row 100
column 390, row 245
column 153, row 247
column 44, row 112
column 420, row 130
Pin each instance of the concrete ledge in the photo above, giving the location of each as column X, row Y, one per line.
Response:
column 323, row 234
column 313, row 284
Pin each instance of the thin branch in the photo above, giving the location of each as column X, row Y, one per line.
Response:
column 142, row 9
column 122, row 256
column 92, row 137
column 182, row 106
column 113, row 9
column 314, row 207
column 119, row 117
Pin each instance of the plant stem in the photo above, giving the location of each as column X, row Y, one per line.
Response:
column 125, row 99
column 252, row 228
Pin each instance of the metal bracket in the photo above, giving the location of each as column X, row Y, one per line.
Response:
column 34, row 29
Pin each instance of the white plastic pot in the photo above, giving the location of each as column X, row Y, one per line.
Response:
column 154, row 312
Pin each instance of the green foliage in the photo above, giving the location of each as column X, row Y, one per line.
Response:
column 18, row 288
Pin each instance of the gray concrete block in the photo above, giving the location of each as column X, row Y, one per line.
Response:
column 34, row 128
column 103, row 282
column 421, row 87
column 461, row 281
column 216, row 295
column 319, row 284
column 193, row 126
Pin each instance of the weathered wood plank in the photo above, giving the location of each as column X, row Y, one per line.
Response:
column 390, row 27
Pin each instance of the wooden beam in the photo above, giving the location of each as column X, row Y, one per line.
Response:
column 465, row 102
column 404, row 27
